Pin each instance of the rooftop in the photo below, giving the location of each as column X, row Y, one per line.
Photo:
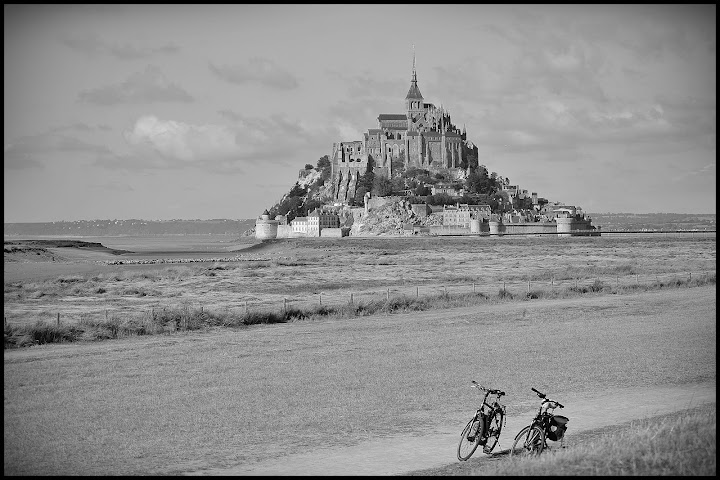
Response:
column 392, row 116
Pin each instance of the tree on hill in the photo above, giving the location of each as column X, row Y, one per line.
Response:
column 364, row 183
column 323, row 166
column 478, row 181
column 297, row 191
column 469, row 156
column 441, row 199
column 382, row 187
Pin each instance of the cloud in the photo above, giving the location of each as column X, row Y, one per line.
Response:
column 157, row 143
column 183, row 142
column 80, row 127
column 258, row 70
column 21, row 162
column 147, row 86
column 26, row 152
column 92, row 44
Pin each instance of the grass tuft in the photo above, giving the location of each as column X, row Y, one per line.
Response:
column 682, row 444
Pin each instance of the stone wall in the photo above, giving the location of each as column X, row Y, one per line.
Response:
column 530, row 228
column 335, row 232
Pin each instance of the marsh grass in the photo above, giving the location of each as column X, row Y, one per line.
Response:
column 682, row 444
column 186, row 318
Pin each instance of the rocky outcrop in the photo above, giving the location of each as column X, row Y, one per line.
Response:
column 387, row 219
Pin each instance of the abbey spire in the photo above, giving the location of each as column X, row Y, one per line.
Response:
column 414, row 92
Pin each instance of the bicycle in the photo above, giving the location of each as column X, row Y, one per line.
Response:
column 484, row 427
column 532, row 439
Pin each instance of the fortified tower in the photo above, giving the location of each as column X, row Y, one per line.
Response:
column 265, row 227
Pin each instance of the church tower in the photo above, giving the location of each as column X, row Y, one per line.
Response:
column 415, row 109
column 414, row 103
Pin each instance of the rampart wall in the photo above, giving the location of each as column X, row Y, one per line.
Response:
column 530, row 228
column 335, row 232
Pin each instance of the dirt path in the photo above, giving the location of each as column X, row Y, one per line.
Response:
column 397, row 455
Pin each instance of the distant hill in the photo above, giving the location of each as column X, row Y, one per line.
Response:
column 653, row 221
column 100, row 228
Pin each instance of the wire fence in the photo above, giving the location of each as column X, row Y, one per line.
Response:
column 514, row 287
column 245, row 304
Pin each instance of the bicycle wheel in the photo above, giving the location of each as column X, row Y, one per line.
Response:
column 493, row 433
column 529, row 442
column 470, row 438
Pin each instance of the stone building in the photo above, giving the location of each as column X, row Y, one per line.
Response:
column 461, row 214
column 299, row 225
column 423, row 136
column 318, row 220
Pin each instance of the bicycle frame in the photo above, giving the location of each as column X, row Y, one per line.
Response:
column 487, row 410
column 543, row 421
column 473, row 436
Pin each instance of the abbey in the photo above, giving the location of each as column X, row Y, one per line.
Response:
column 422, row 137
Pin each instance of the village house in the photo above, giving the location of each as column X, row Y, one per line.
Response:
column 299, row 225
column 460, row 214
column 317, row 220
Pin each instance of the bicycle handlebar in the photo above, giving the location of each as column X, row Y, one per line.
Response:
column 544, row 397
column 499, row 393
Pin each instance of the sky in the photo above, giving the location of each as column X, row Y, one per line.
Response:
column 162, row 112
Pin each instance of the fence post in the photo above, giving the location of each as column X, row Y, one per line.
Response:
column 58, row 322
column 503, row 286
column 320, row 298
column 106, row 314
column 473, row 287
column 388, row 294
column 637, row 280
column 690, row 279
column 245, row 306
column 351, row 298
column 284, row 305
column 528, row 286
column 417, row 292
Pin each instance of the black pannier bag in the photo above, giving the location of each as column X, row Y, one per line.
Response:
column 558, row 425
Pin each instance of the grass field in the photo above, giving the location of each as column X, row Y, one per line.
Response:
column 218, row 398
column 682, row 443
